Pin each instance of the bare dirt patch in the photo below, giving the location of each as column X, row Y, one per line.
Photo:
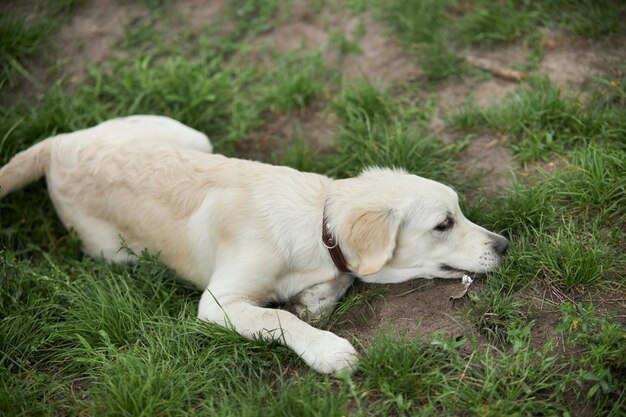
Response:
column 316, row 126
column 488, row 159
column 569, row 61
column 543, row 309
column 379, row 59
column 456, row 93
column 197, row 14
column 417, row 309
column 91, row 33
column 544, row 300
column 507, row 56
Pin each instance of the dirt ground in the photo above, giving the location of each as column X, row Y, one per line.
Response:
column 96, row 27
column 416, row 309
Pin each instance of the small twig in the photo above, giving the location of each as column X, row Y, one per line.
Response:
column 497, row 70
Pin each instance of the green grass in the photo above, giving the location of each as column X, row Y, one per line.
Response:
column 422, row 378
column 572, row 257
column 295, row 82
column 540, row 120
column 562, row 228
column 605, row 360
column 23, row 39
column 344, row 45
column 81, row 337
column 252, row 17
column 377, row 130
column 299, row 155
column 609, row 91
column 491, row 22
column 418, row 24
column 416, row 21
column 17, row 42
column 585, row 17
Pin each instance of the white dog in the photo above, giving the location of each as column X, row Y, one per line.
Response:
column 247, row 233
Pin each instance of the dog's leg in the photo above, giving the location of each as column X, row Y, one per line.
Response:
column 321, row 350
column 316, row 303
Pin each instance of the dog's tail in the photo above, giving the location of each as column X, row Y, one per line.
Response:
column 25, row 167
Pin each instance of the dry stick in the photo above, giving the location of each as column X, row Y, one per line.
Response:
column 498, row 71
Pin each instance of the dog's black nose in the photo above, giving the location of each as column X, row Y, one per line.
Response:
column 500, row 245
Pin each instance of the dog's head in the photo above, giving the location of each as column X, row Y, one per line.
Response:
column 393, row 226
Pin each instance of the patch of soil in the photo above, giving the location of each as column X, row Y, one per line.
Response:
column 381, row 59
column 417, row 309
column 489, row 91
column 546, row 315
column 543, row 307
column 488, row 159
column 455, row 93
column 92, row 32
column 569, row 61
column 507, row 56
column 317, row 127
column 295, row 35
column 197, row 14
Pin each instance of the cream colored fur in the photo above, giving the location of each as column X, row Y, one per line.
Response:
column 248, row 233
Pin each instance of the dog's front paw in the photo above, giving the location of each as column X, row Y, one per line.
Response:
column 328, row 353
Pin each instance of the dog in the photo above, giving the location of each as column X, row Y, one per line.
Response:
column 249, row 234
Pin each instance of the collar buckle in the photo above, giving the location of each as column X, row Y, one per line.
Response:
column 330, row 242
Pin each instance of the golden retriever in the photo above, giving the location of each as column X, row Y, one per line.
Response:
column 247, row 233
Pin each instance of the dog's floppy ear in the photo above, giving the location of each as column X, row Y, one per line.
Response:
column 370, row 236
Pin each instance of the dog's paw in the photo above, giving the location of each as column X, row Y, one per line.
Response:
column 316, row 317
column 328, row 353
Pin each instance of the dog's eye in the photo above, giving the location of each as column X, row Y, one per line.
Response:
column 445, row 225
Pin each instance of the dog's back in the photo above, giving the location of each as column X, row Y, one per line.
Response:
column 33, row 163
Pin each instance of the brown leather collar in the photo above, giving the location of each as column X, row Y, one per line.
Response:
column 333, row 247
